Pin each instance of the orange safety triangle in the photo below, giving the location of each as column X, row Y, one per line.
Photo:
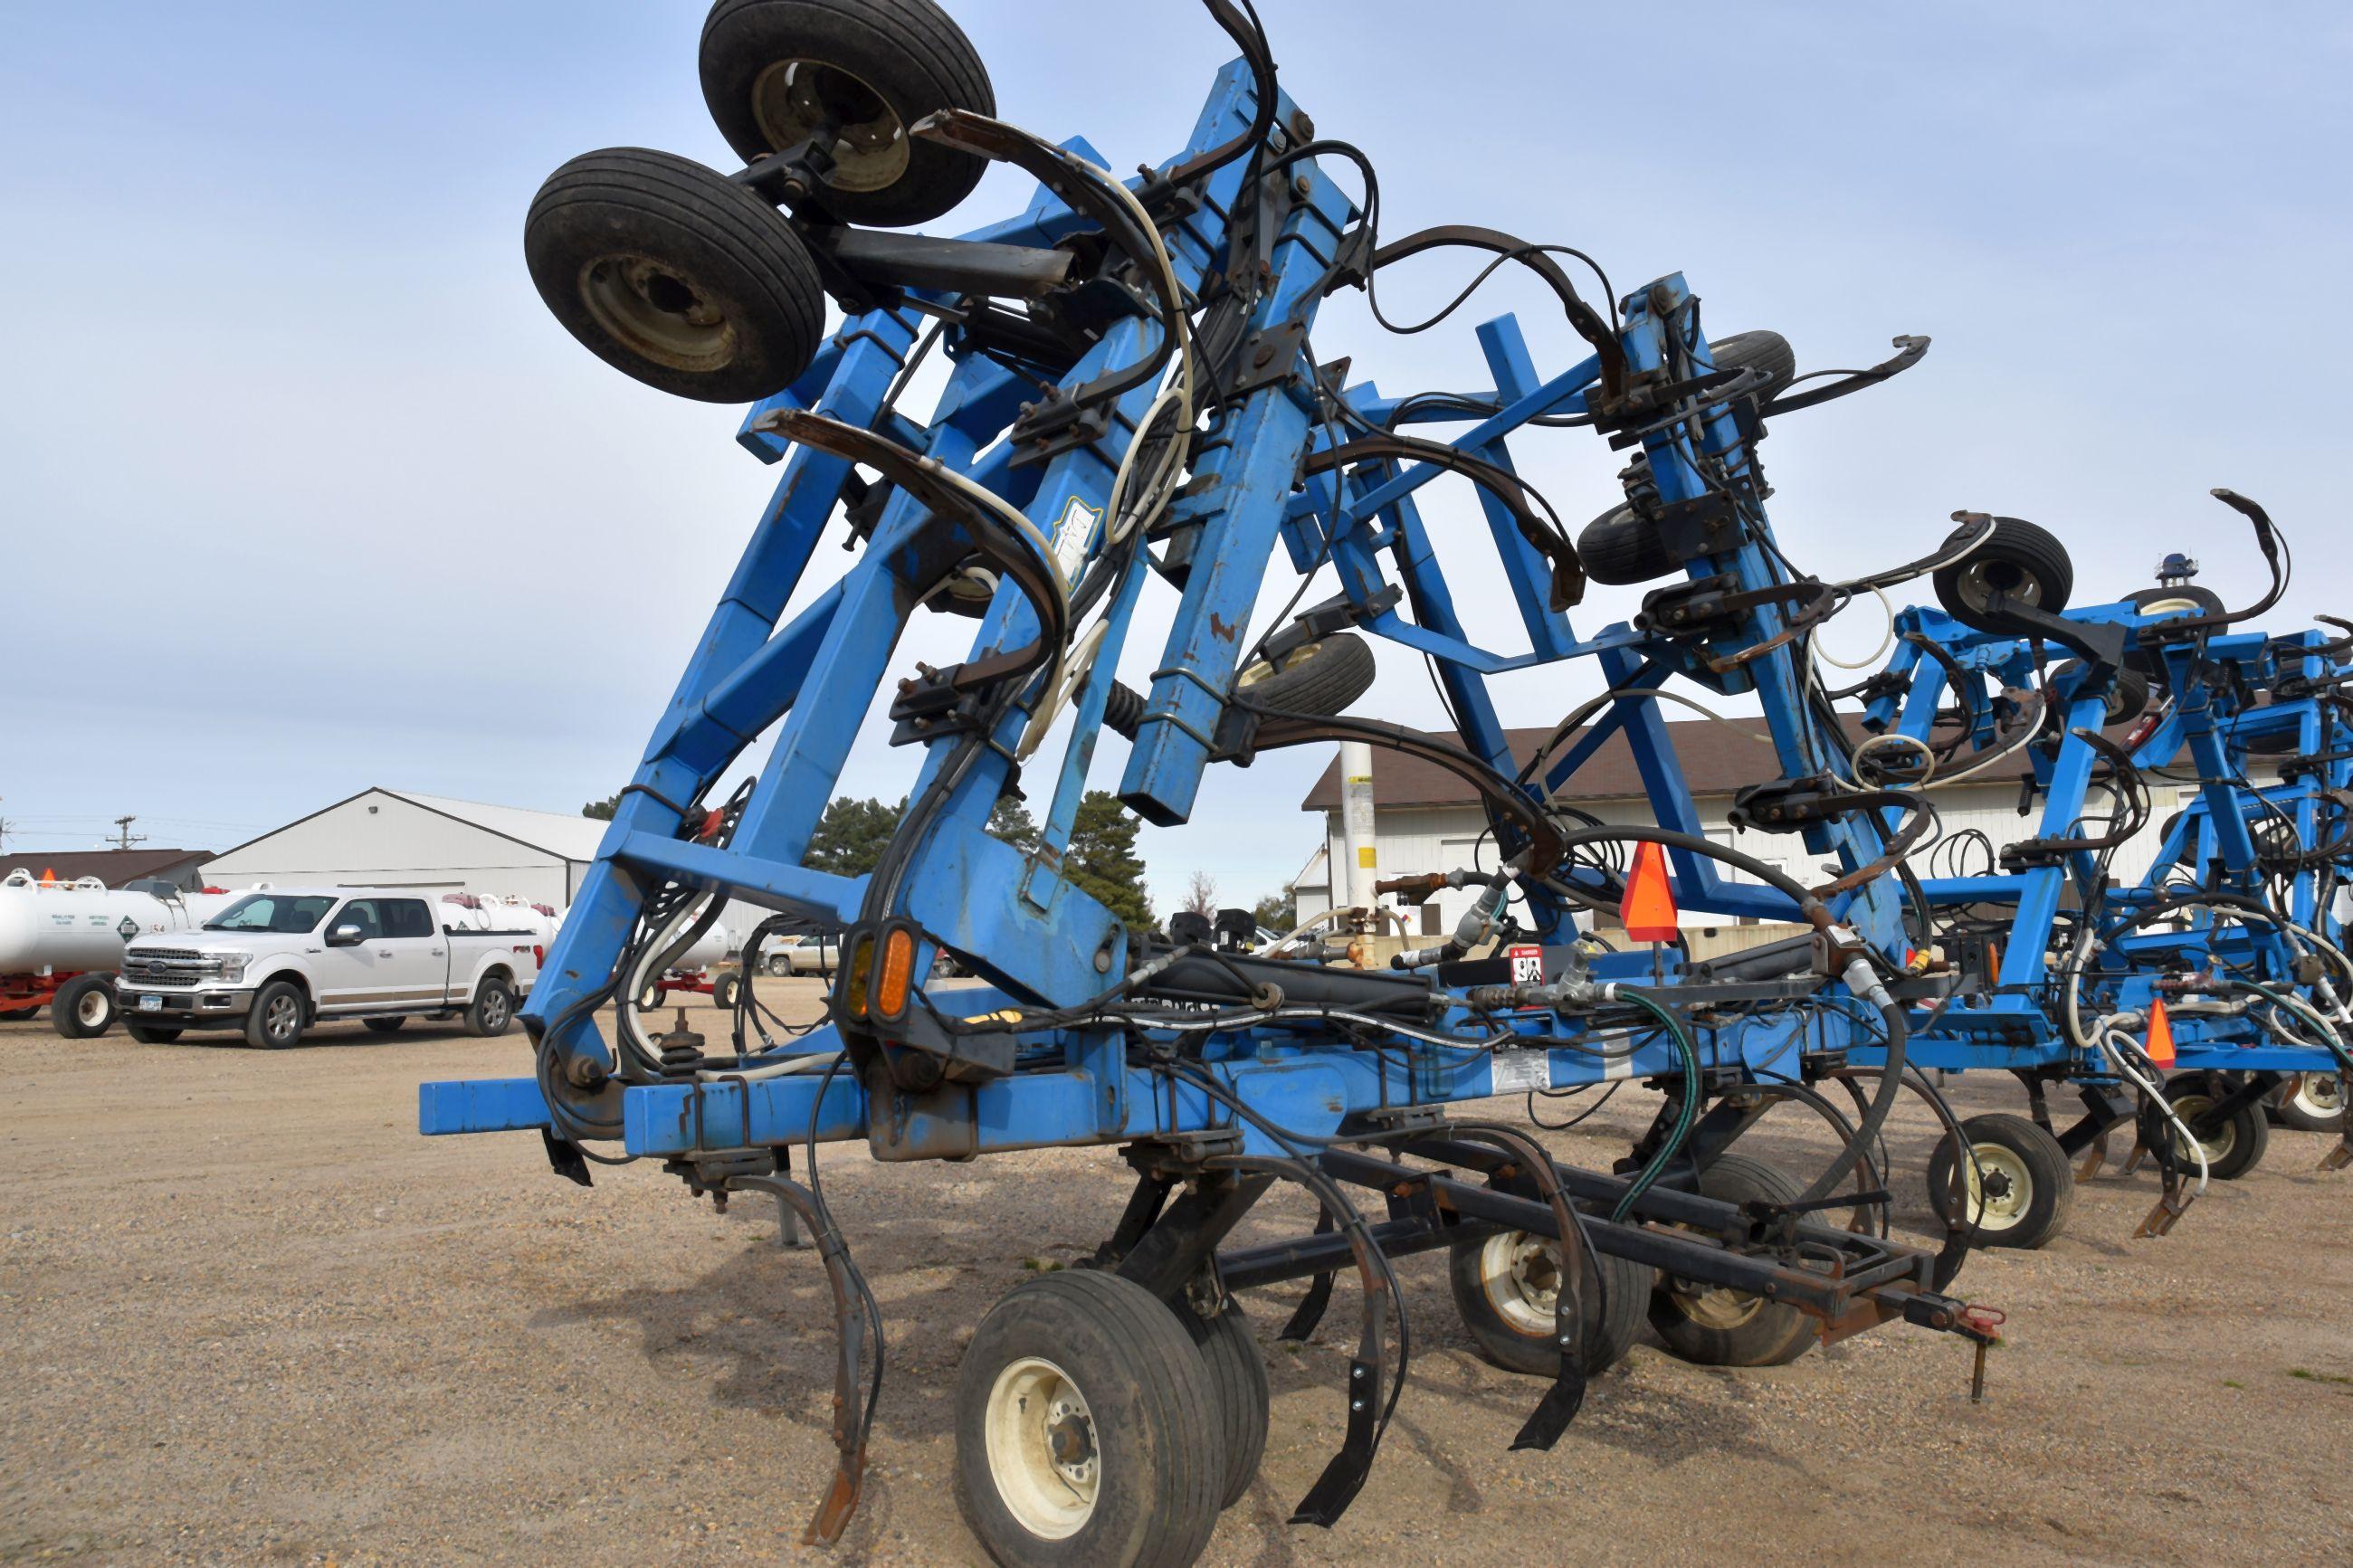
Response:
column 1648, row 910
column 2161, row 1035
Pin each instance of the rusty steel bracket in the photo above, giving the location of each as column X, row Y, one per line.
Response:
column 2338, row 1158
column 2093, row 1158
column 2171, row 1205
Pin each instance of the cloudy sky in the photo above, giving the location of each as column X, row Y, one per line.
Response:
column 301, row 489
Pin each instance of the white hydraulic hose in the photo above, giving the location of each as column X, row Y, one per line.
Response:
column 2119, row 1048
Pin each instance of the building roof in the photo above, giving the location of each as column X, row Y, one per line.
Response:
column 549, row 832
column 574, row 837
column 1719, row 757
column 112, row 866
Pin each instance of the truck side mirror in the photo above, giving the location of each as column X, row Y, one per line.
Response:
column 346, row 936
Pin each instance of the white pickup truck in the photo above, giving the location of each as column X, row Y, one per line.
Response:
column 279, row 960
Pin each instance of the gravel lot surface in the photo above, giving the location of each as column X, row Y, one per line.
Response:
column 253, row 1317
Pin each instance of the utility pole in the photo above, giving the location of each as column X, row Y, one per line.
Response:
column 123, row 837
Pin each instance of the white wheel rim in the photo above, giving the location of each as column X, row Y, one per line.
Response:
column 788, row 104
column 2189, row 1106
column 91, row 1010
column 1042, row 1451
column 1521, row 1276
column 2001, row 1187
column 2321, row 1094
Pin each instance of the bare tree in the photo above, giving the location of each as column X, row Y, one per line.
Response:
column 1201, row 894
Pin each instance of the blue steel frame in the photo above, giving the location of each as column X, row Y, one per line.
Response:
column 2015, row 1028
column 1034, row 937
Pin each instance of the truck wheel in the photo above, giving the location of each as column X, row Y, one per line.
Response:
column 148, row 1035
column 277, row 1018
column 1715, row 1325
column 779, row 966
column 2020, row 1189
column 494, row 1008
column 384, row 1026
column 83, row 1008
column 1506, row 1286
column 671, row 273
column 19, row 1015
column 1087, row 1427
column 773, row 72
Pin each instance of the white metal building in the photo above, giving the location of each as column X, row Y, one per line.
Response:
column 1426, row 819
column 395, row 838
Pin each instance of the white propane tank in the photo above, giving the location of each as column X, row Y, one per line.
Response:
column 710, row 948
column 462, row 911
column 64, row 928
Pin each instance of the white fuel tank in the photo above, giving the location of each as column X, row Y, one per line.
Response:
column 63, row 928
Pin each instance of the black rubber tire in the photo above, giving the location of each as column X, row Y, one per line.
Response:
column 21, row 1014
column 2127, row 699
column 2238, row 1145
column 1750, row 1331
column 384, row 1026
column 1622, row 546
column 1616, row 1296
column 1765, row 350
column 1318, row 679
column 1238, row 1375
column 2050, row 1196
column 84, row 1008
column 2186, row 599
column 724, row 990
column 624, row 242
column 492, row 1012
column 2274, row 743
column 148, row 1035
column 2021, row 560
column 907, row 53
column 1153, row 1410
column 2294, row 1110
column 265, row 1032
column 779, row 967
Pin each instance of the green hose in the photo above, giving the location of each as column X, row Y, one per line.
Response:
column 1687, row 1109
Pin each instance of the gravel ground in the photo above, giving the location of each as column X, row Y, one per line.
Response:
column 253, row 1317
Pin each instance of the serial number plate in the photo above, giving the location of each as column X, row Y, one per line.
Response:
column 1517, row 1072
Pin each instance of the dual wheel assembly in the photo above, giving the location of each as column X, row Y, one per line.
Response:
column 1096, row 1422
column 695, row 282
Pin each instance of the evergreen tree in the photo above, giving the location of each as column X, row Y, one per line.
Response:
column 851, row 835
column 602, row 810
column 1103, row 861
column 1279, row 912
column 1012, row 823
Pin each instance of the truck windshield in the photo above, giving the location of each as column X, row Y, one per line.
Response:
column 281, row 913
